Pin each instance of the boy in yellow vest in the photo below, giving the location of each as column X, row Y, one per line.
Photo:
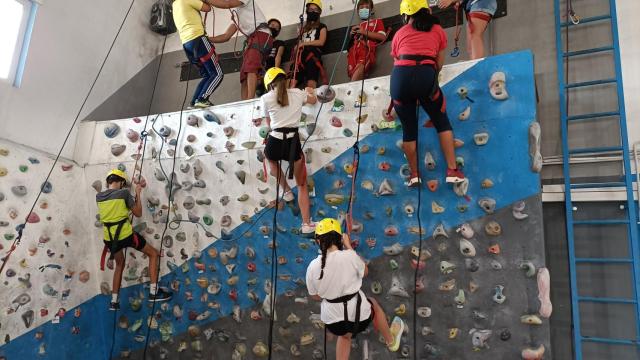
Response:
column 114, row 205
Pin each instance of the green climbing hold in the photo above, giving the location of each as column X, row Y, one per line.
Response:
column 264, row 131
column 460, row 161
column 338, row 105
column 394, row 264
column 23, row 168
column 9, row 236
column 347, row 132
column 207, row 219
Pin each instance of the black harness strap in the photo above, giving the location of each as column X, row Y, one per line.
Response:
column 345, row 300
column 115, row 237
column 420, row 58
column 293, row 146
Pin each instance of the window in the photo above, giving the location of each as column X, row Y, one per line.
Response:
column 16, row 23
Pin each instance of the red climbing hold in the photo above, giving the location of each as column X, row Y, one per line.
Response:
column 494, row 249
column 432, row 185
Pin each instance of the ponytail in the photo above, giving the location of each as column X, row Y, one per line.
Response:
column 326, row 241
column 423, row 20
column 279, row 84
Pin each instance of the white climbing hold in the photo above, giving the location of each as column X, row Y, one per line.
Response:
column 497, row 86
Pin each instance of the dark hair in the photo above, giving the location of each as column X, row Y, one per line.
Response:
column 115, row 178
column 423, row 20
column 326, row 241
column 276, row 20
column 368, row 2
column 280, row 85
column 309, row 25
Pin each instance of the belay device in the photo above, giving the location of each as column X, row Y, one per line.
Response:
column 162, row 18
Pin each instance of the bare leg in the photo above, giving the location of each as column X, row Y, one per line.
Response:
column 447, row 146
column 243, row 90
column 303, row 192
column 312, row 84
column 153, row 255
column 251, row 83
column 277, row 172
column 343, row 347
column 117, row 274
column 380, row 321
column 409, row 148
column 476, row 38
column 358, row 73
column 293, row 83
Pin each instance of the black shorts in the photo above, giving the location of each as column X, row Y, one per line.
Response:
column 344, row 327
column 138, row 243
column 277, row 149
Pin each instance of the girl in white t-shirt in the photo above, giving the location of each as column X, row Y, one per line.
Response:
column 335, row 278
column 282, row 109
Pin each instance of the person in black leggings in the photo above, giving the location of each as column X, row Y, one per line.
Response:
column 418, row 51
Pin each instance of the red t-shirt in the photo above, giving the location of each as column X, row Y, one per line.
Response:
column 409, row 41
column 375, row 26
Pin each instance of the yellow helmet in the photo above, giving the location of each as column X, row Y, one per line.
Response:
column 410, row 7
column 272, row 74
column 119, row 173
column 328, row 225
column 317, row 3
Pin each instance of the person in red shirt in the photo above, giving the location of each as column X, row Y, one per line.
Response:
column 366, row 38
column 418, row 49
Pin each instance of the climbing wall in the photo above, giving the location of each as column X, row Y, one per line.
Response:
column 478, row 289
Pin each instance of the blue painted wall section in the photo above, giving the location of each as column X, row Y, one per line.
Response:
column 504, row 160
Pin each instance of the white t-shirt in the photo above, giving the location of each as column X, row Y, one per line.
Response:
column 343, row 273
column 246, row 20
column 284, row 116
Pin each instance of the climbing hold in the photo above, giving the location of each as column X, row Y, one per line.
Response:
column 447, row 267
column 362, row 118
column 486, row 184
column 229, row 146
column 471, row 265
column 534, row 147
column 228, row 131
column 461, row 188
column 432, row 185
column 165, row 131
column 188, row 203
column 188, row 150
column 334, row 199
column 467, row 248
column 494, row 249
column 481, row 138
column 498, row 296
column 118, row 149
column 241, row 175
column 263, row 132
column 33, row 218
column 531, row 320
column 211, row 117
column 544, row 287
column 464, row 115
column 376, row 287
column 466, row 231
column 111, row 130
column 27, row 318
column 493, row 228
column 495, row 264
column 460, row 299
column 391, row 230
column 447, row 285
column 335, row 122
column 193, row 120
column 487, row 204
column 19, row 190
column 497, row 86
column 133, row 135
column 338, row 105
column 185, row 167
column 3, row 171
column 325, row 94
column 436, row 208
column 429, row 161
column 397, row 289
column 199, row 184
column 528, row 267
column 367, row 185
column 457, row 143
column 517, row 210
column 248, row 144
column 453, row 333
column 347, row 132
column 395, row 249
column 385, row 188
column 191, row 138
column 533, row 353
column 440, row 231
column 479, row 338
column 505, row 334
column 384, row 166
column 424, row 311
column 23, row 168
column 462, row 92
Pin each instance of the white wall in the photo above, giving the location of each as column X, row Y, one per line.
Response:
column 629, row 27
column 70, row 39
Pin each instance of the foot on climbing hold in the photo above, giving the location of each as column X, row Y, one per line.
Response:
column 497, row 86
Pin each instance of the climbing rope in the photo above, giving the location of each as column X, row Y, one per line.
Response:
column 274, row 260
column 20, row 228
column 456, row 49
column 417, row 269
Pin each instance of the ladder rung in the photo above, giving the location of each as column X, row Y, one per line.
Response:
column 598, row 185
column 594, row 150
column 600, row 222
column 588, row 51
column 604, row 260
column 586, row 20
column 608, row 341
column 590, row 83
column 605, row 300
column 593, row 115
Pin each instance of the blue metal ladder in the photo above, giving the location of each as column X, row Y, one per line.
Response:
column 566, row 27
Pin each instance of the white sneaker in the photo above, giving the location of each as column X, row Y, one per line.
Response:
column 288, row 196
column 307, row 229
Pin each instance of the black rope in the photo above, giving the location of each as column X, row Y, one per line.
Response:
column 21, row 227
column 417, row 270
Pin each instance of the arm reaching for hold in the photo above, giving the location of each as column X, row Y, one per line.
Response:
column 137, row 208
column 311, row 96
column 226, row 36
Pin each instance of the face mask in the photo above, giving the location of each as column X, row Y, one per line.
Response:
column 364, row 13
column 405, row 19
column 274, row 32
column 313, row 16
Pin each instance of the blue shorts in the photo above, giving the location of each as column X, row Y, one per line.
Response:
column 485, row 6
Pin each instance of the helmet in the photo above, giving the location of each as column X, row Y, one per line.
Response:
column 328, row 225
column 410, row 7
column 272, row 74
column 119, row 173
column 318, row 3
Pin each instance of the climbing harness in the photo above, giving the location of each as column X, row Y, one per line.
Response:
column 344, row 300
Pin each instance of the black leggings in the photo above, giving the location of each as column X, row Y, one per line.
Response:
column 413, row 84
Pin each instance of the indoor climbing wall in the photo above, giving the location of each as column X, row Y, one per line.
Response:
column 482, row 290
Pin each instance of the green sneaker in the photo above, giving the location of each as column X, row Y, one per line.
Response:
column 396, row 328
column 203, row 103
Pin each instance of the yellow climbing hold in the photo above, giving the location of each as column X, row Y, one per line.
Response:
column 436, row 208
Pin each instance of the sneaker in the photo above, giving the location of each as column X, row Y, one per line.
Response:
column 413, row 182
column 114, row 306
column 288, row 196
column 454, row 176
column 203, row 103
column 396, row 328
column 308, row 229
column 191, row 107
column 161, row 295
